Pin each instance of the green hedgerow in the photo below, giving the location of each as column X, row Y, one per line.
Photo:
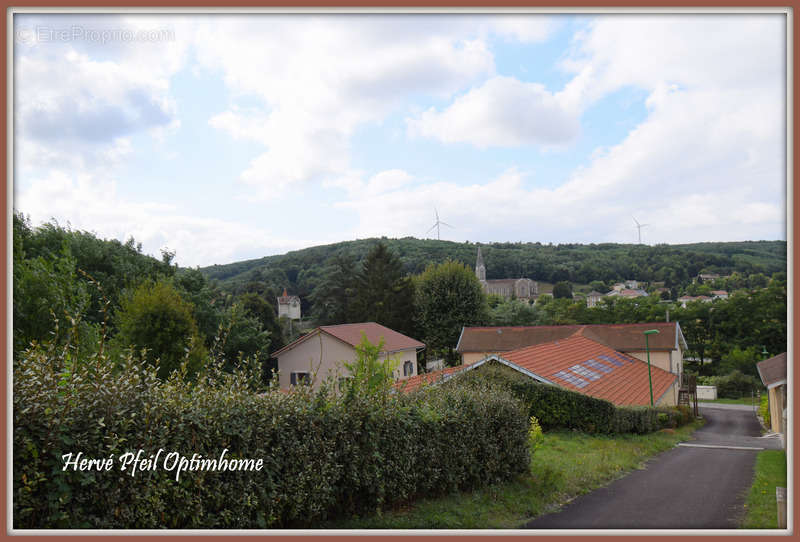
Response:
column 324, row 455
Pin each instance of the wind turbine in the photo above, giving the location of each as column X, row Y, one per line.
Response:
column 438, row 222
column 639, row 227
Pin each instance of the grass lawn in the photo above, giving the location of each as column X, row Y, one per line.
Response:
column 741, row 401
column 566, row 465
column 762, row 511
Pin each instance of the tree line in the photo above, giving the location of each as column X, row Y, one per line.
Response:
column 68, row 282
column 109, row 293
column 675, row 265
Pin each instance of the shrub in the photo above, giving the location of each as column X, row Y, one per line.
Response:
column 553, row 407
column 559, row 408
column 763, row 409
column 324, row 455
column 735, row 385
column 155, row 317
column 535, row 434
column 643, row 419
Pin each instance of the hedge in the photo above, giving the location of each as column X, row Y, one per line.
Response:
column 559, row 408
column 323, row 456
column 733, row 385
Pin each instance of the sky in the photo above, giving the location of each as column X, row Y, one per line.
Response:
column 226, row 137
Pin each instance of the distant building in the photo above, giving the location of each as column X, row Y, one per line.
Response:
column 593, row 298
column 719, row 294
column 684, row 299
column 289, row 306
column 627, row 293
column 522, row 288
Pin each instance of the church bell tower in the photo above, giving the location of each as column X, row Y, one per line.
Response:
column 480, row 269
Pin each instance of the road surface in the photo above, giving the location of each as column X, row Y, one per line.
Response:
column 699, row 484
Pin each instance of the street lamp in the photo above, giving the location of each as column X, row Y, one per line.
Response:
column 647, row 349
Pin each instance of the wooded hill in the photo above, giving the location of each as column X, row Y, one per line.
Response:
column 301, row 270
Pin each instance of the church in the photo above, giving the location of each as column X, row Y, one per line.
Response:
column 525, row 289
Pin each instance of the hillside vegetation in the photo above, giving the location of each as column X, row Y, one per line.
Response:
column 300, row 271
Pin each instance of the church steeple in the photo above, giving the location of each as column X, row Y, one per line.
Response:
column 480, row 269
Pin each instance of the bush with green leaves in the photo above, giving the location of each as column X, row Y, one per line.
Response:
column 763, row 409
column 553, row 407
column 559, row 408
column 643, row 419
column 734, row 385
column 325, row 454
column 535, row 434
column 155, row 317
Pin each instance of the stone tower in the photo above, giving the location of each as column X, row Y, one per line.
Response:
column 480, row 269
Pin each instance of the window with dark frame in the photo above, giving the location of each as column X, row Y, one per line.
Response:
column 408, row 369
column 299, row 378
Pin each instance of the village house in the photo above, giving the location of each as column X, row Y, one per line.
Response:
column 704, row 277
column 629, row 284
column 520, row 288
column 580, row 364
column 684, row 299
column 627, row 293
column 719, row 294
column 322, row 353
column 773, row 375
column 593, row 298
column 666, row 347
column 289, row 306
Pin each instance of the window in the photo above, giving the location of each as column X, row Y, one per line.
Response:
column 408, row 369
column 300, row 378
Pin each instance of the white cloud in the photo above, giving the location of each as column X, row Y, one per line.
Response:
column 79, row 100
column 91, row 204
column 703, row 52
column 524, row 28
column 707, row 161
column 502, row 112
column 322, row 78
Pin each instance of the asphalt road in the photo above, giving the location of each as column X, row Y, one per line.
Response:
column 699, row 484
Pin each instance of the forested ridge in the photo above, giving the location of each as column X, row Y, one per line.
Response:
column 675, row 265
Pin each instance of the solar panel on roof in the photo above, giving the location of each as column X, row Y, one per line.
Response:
column 611, row 360
column 584, row 372
column 599, row 366
column 624, row 359
column 571, row 379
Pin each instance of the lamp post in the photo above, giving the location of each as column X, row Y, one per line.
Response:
column 647, row 349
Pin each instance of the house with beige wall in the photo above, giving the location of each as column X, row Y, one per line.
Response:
column 666, row 347
column 322, row 353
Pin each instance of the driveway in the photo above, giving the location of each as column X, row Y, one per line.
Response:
column 699, row 484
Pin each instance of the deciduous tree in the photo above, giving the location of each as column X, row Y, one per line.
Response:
column 448, row 296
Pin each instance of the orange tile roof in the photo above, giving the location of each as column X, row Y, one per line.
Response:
column 622, row 337
column 351, row 334
column 586, row 366
column 576, row 363
column 411, row 384
column 393, row 340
